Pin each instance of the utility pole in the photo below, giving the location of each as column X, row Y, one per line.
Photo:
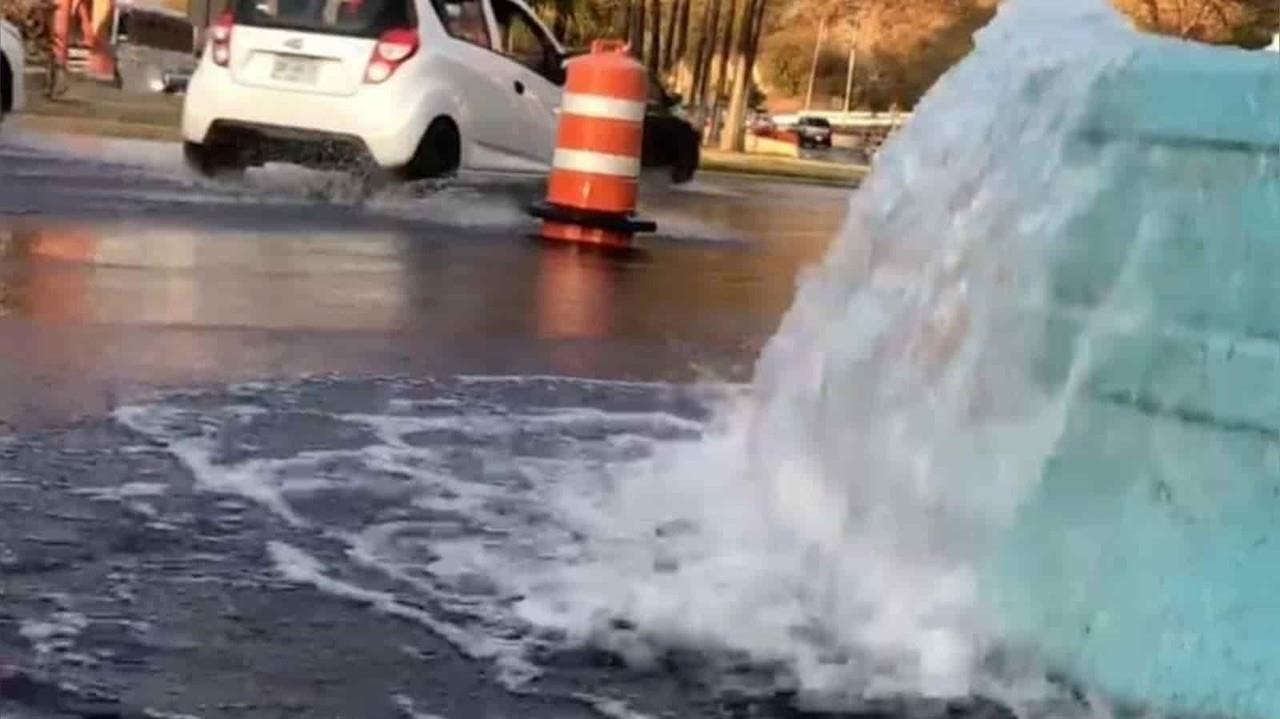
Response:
column 813, row 69
column 848, row 82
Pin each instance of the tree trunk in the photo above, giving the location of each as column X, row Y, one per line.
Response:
column 1207, row 8
column 628, row 14
column 669, row 42
column 1153, row 12
column 698, row 50
column 560, row 27
column 740, row 98
column 813, row 68
column 681, row 20
column 708, row 53
column 635, row 28
column 655, row 37
column 727, row 47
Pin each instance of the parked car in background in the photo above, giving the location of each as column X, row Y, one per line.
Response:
column 13, row 94
column 408, row 88
column 814, row 132
column 761, row 123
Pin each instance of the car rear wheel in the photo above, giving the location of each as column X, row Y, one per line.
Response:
column 439, row 153
column 687, row 157
column 6, row 88
column 213, row 161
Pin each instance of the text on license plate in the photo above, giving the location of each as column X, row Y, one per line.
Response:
column 298, row 70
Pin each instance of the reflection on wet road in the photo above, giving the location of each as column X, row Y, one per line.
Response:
column 123, row 273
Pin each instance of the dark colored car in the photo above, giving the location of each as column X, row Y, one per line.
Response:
column 670, row 141
column 814, row 132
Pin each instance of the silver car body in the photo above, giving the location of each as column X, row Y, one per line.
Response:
column 11, row 55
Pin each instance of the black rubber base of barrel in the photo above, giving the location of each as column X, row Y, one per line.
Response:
column 591, row 218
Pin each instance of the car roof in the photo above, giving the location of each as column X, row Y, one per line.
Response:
column 13, row 34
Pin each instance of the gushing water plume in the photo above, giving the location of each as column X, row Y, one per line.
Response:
column 838, row 523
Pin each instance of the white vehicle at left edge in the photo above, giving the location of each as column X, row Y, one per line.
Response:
column 13, row 92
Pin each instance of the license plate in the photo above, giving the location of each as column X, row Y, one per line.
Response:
column 296, row 70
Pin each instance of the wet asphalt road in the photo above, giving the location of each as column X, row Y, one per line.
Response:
column 119, row 272
column 125, row 591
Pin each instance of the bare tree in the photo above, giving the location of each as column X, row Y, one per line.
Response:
column 635, row 27
column 707, row 51
column 1194, row 18
column 681, row 20
column 560, row 23
column 628, row 15
column 740, row 97
column 727, row 46
column 1246, row 22
column 1152, row 8
column 669, row 42
column 655, row 36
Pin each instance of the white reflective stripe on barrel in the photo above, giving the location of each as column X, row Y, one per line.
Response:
column 608, row 108
column 596, row 163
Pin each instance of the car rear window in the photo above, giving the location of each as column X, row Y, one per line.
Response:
column 464, row 20
column 815, row 122
column 357, row 18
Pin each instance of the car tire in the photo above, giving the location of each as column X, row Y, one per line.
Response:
column 439, row 153
column 6, row 88
column 213, row 161
column 687, row 157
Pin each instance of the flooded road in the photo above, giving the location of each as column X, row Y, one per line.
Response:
column 119, row 272
column 239, row 479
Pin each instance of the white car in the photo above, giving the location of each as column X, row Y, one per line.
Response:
column 420, row 88
column 13, row 94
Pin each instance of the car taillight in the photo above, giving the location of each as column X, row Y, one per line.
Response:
column 393, row 49
column 220, row 38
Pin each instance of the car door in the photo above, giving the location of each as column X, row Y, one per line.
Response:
column 534, row 70
column 483, row 92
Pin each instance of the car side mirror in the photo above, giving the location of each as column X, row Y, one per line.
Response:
column 557, row 70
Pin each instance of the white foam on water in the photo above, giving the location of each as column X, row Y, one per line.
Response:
column 634, row 531
column 195, row 450
column 128, row 490
column 57, row 633
column 298, row 566
column 409, row 710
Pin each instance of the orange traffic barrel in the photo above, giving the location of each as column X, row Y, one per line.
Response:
column 591, row 193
